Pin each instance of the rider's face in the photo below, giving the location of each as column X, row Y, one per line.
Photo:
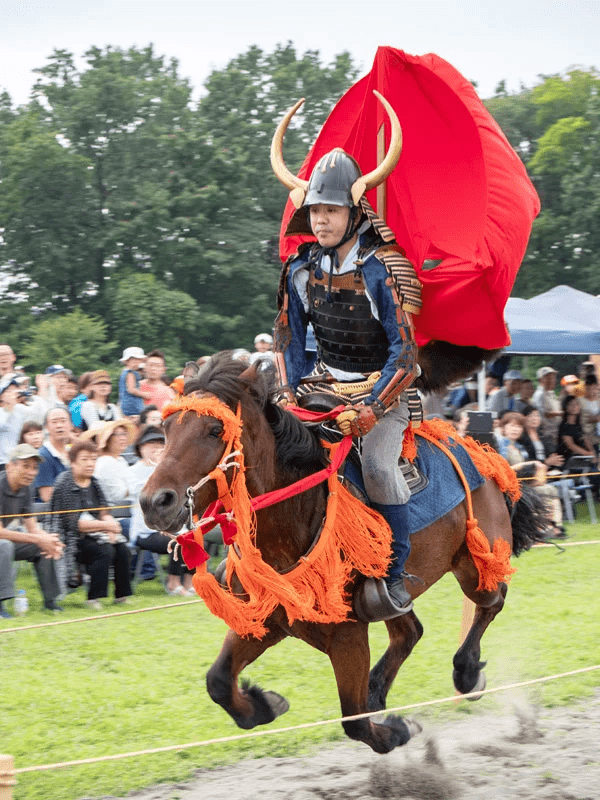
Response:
column 328, row 223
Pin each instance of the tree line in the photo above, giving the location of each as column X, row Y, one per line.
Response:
column 132, row 215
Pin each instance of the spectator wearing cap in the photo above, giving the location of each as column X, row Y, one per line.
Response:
column 149, row 447
column 98, row 408
column 548, row 404
column 152, row 386
column 571, row 384
column 21, row 537
column 55, row 458
column 131, row 397
column 51, row 385
column 506, row 399
column 12, row 415
column 263, row 347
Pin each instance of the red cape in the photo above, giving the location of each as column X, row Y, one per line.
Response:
column 459, row 194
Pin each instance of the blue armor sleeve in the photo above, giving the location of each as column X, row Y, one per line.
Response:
column 401, row 368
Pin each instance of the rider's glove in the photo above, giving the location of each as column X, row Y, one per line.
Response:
column 356, row 421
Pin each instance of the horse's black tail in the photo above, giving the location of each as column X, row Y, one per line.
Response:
column 530, row 520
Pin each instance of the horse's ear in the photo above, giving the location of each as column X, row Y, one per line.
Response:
column 250, row 374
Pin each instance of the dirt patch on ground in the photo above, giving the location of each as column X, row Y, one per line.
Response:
column 523, row 754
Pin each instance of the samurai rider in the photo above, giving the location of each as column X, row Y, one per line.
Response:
column 358, row 291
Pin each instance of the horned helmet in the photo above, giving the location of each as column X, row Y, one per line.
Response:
column 336, row 179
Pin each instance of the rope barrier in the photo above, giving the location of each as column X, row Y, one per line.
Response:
column 551, row 478
column 98, row 616
column 303, row 726
column 68, row 511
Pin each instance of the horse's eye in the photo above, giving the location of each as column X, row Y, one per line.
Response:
column 216, row 431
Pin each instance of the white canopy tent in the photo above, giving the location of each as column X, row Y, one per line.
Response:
column 560, row 321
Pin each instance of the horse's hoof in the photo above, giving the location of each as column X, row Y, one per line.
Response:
column 479, row 687
column 413, row 726
column 278, row 704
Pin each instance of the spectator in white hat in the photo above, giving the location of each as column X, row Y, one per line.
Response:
column 263, row 344
column 131, row 397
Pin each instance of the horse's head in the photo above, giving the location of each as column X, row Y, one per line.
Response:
column 199, row 427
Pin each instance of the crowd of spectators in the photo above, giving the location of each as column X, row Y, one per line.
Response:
column 75, row 452
column 545, row 431
column 83, row 447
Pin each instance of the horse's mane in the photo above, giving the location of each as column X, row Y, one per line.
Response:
column 232, row 381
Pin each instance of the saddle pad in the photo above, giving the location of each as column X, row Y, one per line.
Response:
column 444, row 490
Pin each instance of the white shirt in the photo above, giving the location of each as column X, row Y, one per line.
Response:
column 112, row 474
column 137, row 475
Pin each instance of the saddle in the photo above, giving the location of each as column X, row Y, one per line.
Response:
column 351, row 470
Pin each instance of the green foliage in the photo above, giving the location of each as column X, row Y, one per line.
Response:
column 555, row 127
column 74, row 339
column 44, row 208
column 111, row 171
column 557, row 144
column 147, row 314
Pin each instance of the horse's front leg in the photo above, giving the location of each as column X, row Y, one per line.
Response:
column 349, row 652
column 249, row 705
column 404, row 631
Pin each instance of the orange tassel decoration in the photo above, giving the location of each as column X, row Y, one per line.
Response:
column 353, row 538
column 493, row 565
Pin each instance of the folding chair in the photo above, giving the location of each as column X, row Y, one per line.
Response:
column 579, row 465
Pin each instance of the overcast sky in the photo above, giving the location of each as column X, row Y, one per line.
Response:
column 486, row 40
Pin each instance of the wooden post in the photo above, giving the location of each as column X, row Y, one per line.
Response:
column 7, row 777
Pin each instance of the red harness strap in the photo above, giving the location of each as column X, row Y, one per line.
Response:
column 195, row 555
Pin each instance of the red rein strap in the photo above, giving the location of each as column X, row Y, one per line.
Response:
column 338, row 451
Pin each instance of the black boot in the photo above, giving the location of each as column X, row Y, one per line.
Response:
column 399, row 594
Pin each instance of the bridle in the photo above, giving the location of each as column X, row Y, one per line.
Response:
column 211, row 406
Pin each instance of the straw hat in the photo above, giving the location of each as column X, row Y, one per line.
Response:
column 100, row 432
column 99, row 376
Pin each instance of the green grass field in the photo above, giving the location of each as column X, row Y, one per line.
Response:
column 128, row 683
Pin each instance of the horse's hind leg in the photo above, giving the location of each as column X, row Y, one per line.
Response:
column 249, row 706
column 468, row 675
column 404, row 632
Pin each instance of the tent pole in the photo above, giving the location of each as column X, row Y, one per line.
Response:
column 481, row 387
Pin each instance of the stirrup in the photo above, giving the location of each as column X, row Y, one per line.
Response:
column 372, row 602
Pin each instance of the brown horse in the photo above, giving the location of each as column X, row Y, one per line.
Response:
column 279, row 450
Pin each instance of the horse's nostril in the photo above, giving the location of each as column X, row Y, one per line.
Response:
column 164, row 499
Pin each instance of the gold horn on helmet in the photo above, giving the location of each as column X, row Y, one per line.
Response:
column 380, row 173
column 297, row 185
